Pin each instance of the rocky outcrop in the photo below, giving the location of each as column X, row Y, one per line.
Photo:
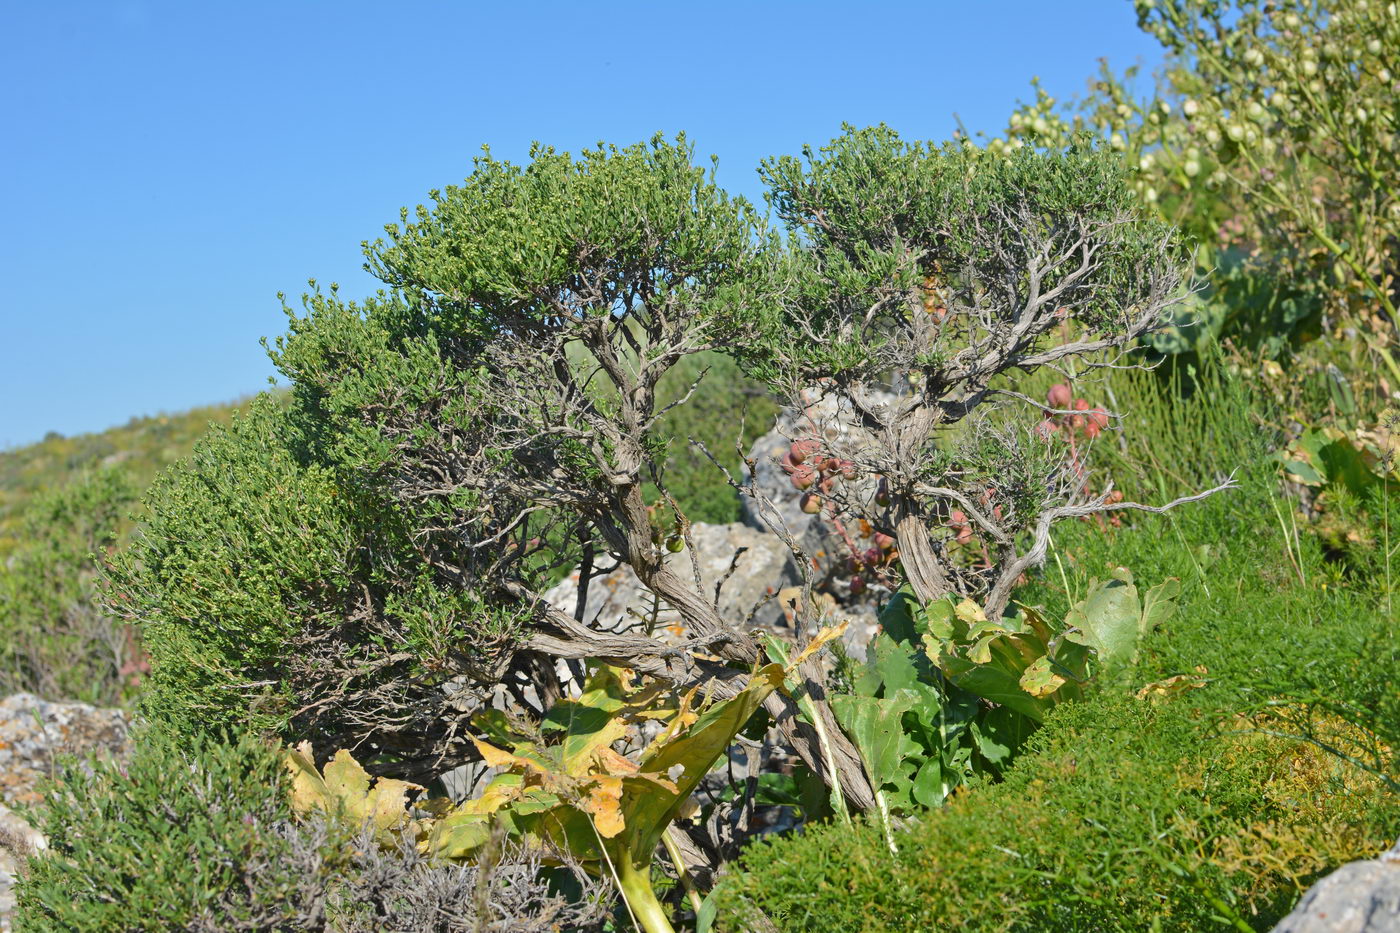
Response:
column 834, row 426
column 758, row 589
column 34, row 734
column 18, row 840
column 1363, row 897
column 747, row 585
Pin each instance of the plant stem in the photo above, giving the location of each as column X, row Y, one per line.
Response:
column 635, row 884
column 885, row 821
column 838, row 799
column 687, row 881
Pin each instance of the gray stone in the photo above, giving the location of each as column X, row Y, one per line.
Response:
column 35, row 732
column 1363, row 897
column 18, row 840
column 617, row 599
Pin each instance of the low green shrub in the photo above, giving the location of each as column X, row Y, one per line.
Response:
column 202, row 839
column 178, row 838
column 1125, row 815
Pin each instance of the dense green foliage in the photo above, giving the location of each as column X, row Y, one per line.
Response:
column 200, row 838
column 54, row 640
column 142, row 447
column 1269, row 136
column 324, row 567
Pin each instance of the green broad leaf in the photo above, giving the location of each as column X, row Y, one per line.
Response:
column 536, row 800
column 587, row 727
column 1159, row 604
column 981, row 650
column 938, row 619
column 1000, row 733
column 496, row 726
column 876, row 728
column 929, row 789
column 897, row 616
column 994, row 684
column 458, row 835
column 1034, row 623
column 1040, row 679
column 892, row 665
column 1108, row 620
column 706, row 915
column 649, row 809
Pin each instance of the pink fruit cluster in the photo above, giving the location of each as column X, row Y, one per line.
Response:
column 1073, row 415
column 807, row 466
column 961, row 525
column 873, row 561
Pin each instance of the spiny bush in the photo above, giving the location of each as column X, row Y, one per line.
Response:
column 181, row 835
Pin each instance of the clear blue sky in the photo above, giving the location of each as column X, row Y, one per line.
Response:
column 167, row 167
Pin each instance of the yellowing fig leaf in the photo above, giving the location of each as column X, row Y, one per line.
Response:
column 503, row 789
column 500, row 758
column 344, row 789
column 684, row 717
column 970, row 612
column 1171, row 686
column 604, row 803
column 613, row 763
column 309, row 790
column 345, row 779
column 1039, row 679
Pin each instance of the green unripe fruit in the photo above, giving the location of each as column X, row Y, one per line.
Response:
column 1192, row 168
column 675, row 544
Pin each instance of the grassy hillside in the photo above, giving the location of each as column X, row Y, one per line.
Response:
column 62, row 501
column 140, row 448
